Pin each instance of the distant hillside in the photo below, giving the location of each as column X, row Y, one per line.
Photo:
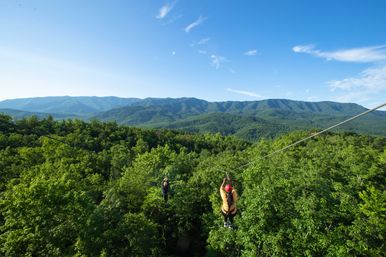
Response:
column 83, row 106
column 246, row 127
column 249, row 120
column 195, row 105
column 185, row 107
column 272, row 106
column 16, row 114
column 155, row 110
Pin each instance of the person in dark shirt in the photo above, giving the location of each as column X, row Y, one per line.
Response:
column 165, row 186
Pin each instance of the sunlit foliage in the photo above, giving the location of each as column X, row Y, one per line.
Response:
column 71, row 188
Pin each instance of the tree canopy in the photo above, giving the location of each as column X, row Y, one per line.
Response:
column 75, row 188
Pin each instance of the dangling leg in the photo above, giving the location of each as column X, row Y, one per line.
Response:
column 231, row 216
column 225, row 219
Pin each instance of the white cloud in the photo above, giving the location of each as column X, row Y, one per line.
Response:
column 241, row 92
column 217, row 60
column 361, row 55
column 373, row 79
column 194, row 24
column 200, row 42
column 357, row 97
column 203, row 41
column 367, row 86
column 164, row 10
column 174, row 53
column 251, row 52
column 202, row 52
column 303, row 49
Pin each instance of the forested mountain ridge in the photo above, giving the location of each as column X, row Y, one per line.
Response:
column 259, row 119
column 75, row 188
column 82, row 105
column 246, row 127
column 192, row 106
column 18, row 115
column 276, row 116
column 92, row 104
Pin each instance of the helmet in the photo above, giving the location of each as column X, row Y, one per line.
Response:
column 228, row 188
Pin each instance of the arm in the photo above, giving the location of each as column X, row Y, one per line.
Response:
column 222, row 191
column 223, row 183
column 235, row 195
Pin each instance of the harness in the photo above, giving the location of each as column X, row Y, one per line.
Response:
column 229, row 196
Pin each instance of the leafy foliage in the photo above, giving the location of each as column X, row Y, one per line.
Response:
column 71, row 188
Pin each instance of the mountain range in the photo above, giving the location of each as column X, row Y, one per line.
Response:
column 250, row 120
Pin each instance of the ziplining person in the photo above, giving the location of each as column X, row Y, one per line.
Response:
column 229, row 198
column 165, row 186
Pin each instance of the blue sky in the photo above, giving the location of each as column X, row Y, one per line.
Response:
column 213, row 50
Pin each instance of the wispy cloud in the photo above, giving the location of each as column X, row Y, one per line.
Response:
column 357, row 97
column 373, row 79
column 202, row 52
column 361, row 55
column 241, row 92
column 194, row 24
column 251, row 52
column 217, row 60
column 367, row 85
column 164, row 10
column 203, row 41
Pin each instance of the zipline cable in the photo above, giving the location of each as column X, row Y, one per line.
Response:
column 325, row 130
column 313, row 135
